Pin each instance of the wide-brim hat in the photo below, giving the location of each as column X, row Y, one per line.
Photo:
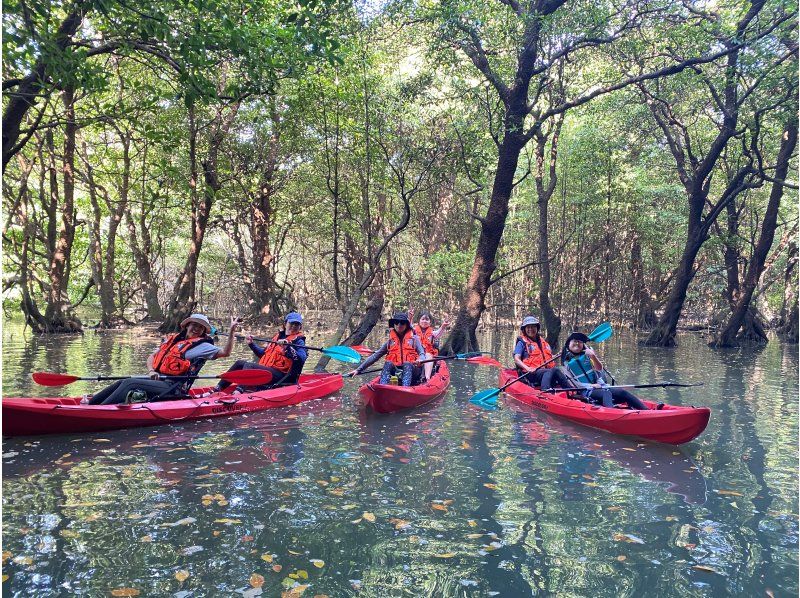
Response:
column 529, row 321
column 293, row 316
column 198, row 319
column 398, row 318
column 577, row 336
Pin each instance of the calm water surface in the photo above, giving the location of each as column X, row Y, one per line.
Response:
column 448, row 500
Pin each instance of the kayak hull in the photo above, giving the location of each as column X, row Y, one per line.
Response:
column 388, row 398
column 24, row 416
column 672, row 424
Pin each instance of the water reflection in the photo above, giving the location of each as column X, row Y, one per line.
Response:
column 447, row 500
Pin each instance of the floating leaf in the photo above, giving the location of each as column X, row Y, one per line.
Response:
column 399, row 523
column 277, row 568
column 318, row 563
column 472, row 523
column 5, row 577
column 182, row 575
column 256, row 580
column 266, row 557
column 125, row 592
column 621, row 558
column 445, row 555
column 23, row 560
column 438, row 507
column 491, row 486
column 473, row 536
column 628, row 538
column 295, row 553
column 184, row 521
column 368, row 516
column 227, row 521
column 704, row 568
column 729, row 493
column 102, row 440
column 147, row 538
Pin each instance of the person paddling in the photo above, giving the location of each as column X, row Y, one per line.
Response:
column 284, row 358
column 584, row 368
column 532, row 354
column 428, row 336
column 181, row 354
column 403, row 351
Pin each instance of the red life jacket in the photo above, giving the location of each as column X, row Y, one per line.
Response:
column 427, row 340
column 170, row 359
column 537, row 354
column 274, row 355
column 404, row 351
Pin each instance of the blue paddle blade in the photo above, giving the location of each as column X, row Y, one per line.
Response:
column 468, row 355
column 489, row 404
column 342, row 353
column 602, row 333
column 484, row 396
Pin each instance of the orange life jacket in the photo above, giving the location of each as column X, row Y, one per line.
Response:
column 404, row 351
column 274, row 355
column 170, row 359
column 537, row 355
column 427, row 340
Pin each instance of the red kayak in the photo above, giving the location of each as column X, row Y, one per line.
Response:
column 387, row 398
column 22, row 417
column 671, row 424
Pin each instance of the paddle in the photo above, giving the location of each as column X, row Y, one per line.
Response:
column 362, row 350
column 338, row 352
column 243, row 377
column 475, row 357
column 655, row 385
column 488, row 398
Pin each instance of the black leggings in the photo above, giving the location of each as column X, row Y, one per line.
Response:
column 278, row 377
column 116, row 393
column 608, row 397
column 547, row 378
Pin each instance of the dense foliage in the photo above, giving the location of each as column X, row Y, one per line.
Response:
column 163, row 156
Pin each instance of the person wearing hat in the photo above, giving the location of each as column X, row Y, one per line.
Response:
column 284, row 357
column 181, row 354
column 403, row 351
column 532, row 353
column 584, row 369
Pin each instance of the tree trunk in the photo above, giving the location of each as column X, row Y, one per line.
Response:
column 462, row 338
column 372, row 314
column 756, row 265
column 58, row 316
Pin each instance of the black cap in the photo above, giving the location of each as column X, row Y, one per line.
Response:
column 399, row 317
column 577, row 336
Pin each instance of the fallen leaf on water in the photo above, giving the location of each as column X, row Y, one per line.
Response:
column 146, row 539
column 473, row 536
column 125, row 592
column 222, row 503
column 399, row 523
column 277, row 568
column 729, row 493
column 184, row 521
column 704, row 568
column 368, row 516
column 625, row 448
column 628, row 538
column 206, row 502
column 103, row 440
column 359, row 520
column 266, row 557
column 295, row 553
column 227, row 521
column 68, row 533
column 621, row 558
column 318, row 563
column 465, row 445
column 247, row 538
column 6, row 556
column 216, row 532
column 472, row 523
column 591, row 484
column 438, row 507
column 670, row 518
column 614, row 508
column 448, row 502
column 445, row 555
column 491, row 486
column 256, row 580
column 182, row 575
column 5, row 577
column 23, row 560
column 294, row 592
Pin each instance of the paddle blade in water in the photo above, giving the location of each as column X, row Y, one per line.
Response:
column 248, row 377
column 48, row 379
column 602, row 333
column 342, row 353
column 362, row 350
column 485, row 395
column 489, row 404
column 484, row 360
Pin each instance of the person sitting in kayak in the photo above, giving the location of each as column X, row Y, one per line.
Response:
column 583, row 368
column 284, row 358
column 181, row 354
column 532, row 355
column 403, row 352
column 428, row 336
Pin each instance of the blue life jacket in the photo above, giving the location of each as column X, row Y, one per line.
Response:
column 581, row 366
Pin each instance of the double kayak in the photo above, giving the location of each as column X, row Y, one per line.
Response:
column 670, row 424
column 28, row 416
column 388, row 398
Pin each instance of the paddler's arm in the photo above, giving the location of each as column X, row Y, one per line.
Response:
column 518, row 349
column 596, row 364
column 420, row 349
column 373, row 358
column 228, row 348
